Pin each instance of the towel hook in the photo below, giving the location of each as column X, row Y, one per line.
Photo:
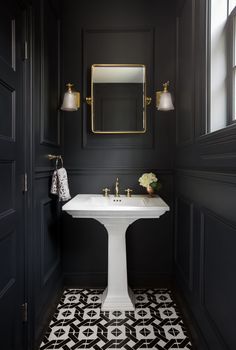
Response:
column 57, row 158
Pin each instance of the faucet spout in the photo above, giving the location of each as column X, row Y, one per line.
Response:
column 117, row 188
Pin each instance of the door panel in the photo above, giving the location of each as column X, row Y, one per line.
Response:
column 11, row 170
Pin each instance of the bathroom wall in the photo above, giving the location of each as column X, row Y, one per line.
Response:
column 205, row 198
column 118, row 32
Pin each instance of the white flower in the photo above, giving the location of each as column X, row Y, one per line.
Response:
column 147, row 178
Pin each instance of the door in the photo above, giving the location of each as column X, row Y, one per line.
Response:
column 11, row 174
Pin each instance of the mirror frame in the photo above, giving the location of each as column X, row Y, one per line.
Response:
column 90, row 101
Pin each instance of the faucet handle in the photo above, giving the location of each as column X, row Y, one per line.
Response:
column 106, row 192
column 128, row 192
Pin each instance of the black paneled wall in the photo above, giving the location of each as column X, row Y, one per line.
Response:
column 30, row 256
column 118, row 32
column 205, row 194
column 45, row 261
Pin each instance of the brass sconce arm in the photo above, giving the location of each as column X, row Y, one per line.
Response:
column 89, row 100
column 148, row 100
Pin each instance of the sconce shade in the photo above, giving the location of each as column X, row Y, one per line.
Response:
column 71, row 100
column 164, row 99
column 165, row 103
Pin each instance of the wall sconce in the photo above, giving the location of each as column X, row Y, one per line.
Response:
column 164, row 99
column 71, row 100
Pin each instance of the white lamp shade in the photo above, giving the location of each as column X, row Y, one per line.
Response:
column 70, row 102
column 165, row 103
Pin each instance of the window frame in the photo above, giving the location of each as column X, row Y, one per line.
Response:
column 231, row 61
column 229, row 54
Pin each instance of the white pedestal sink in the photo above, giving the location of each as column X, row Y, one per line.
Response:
column 116, row 214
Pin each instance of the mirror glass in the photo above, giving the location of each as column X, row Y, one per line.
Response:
column 118, row 95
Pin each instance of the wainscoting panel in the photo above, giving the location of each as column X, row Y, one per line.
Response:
column 219, row 287
column 205, row 226
column 213, row 190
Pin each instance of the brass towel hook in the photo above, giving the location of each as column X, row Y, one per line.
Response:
column 57, row 158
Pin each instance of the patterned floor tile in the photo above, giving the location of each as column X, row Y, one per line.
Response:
column 79, row 323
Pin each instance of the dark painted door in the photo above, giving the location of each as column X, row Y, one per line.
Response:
column 11, row 175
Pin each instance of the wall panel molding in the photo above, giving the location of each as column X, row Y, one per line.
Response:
column 8, row 50
column 138, row 45
column 8, row 248
column 8, row 108
column 222, row 136
column 212, row 190
column 8, row 178
column 117, row 170
column 224, row 177
column 219, row 145
column 42, row 172
column 212, row 293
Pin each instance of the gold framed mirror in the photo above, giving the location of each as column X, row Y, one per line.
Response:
column 118, row 99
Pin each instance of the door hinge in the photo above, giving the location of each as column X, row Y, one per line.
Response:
column 24, row 308
column 26, row 50
column 25, row 182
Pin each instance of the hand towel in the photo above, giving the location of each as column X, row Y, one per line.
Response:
column 64, row 192
column 54, row 185
column 60, row 185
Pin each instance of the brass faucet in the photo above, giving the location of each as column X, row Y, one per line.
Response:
column 117, row 188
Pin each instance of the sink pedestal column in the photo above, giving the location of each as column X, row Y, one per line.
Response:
column 117, row 295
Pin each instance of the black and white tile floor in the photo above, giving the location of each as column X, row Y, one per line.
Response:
column 79, row 323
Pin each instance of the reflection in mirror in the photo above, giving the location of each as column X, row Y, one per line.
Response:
column 118, row 99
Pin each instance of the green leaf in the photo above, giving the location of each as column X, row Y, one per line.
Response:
column 156, row 185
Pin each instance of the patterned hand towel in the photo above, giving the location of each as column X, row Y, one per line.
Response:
column 60, row 185
column 54, row 185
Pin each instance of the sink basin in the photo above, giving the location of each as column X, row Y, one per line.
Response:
column 97, row 206
column 116, row 214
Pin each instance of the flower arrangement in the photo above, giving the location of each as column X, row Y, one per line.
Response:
column 150, row 181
